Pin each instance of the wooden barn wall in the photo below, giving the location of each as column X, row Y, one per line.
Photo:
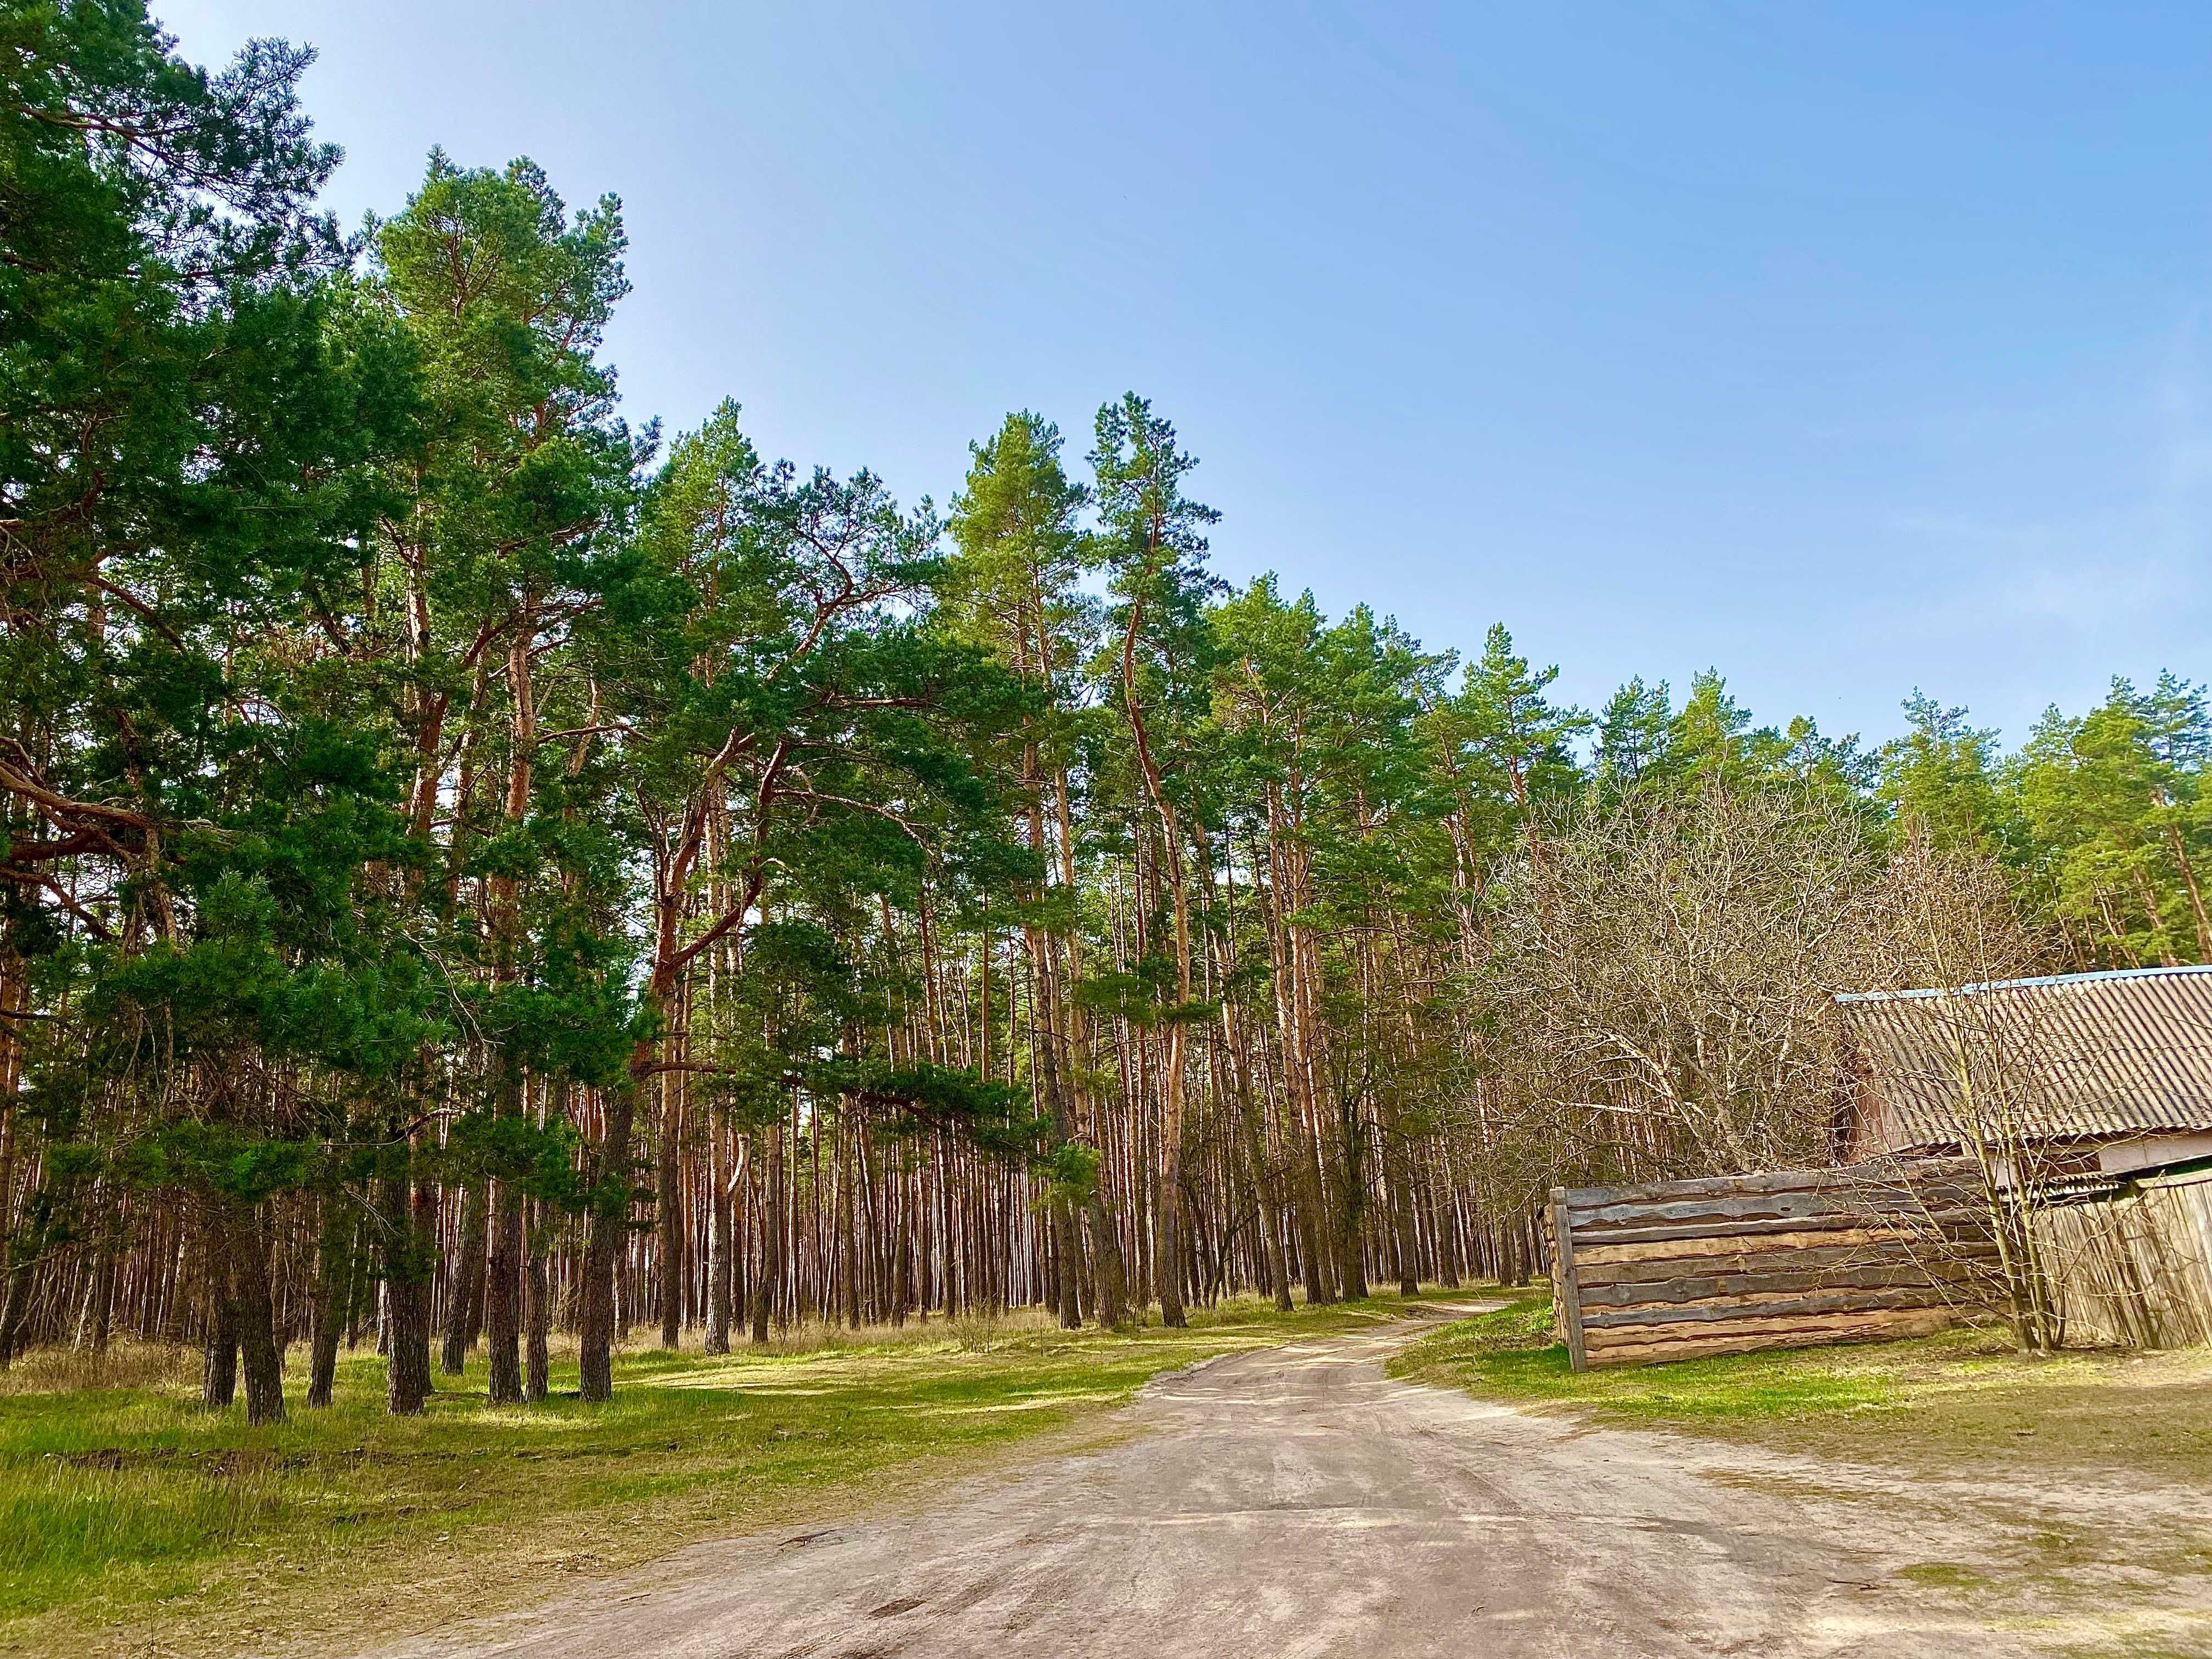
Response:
column 2135, row 1272
column 1684, row 1269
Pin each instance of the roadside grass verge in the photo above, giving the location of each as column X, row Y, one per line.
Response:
column 1962, row 1396
column 132, row 1520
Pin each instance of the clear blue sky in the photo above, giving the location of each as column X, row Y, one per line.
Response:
column 1846, row 349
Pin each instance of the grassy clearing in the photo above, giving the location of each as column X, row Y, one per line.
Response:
column 1960, row 1397
column 133, row 1521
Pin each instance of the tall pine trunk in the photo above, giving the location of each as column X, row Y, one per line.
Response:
column 503, row 1296
column 668, row 1215
column 768, row 1287
column 607, row 1230
column 720, row 1274
column 464, row 1299
column 257, row 1316
column 537, row 1318
column 410, row 1260
column 219, row 1345
column 333, row 1298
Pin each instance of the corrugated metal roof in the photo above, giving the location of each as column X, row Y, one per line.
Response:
column 2081, row 1055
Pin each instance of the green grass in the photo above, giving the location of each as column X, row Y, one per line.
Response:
column 1510, row 1354
column 132, row 1521
column 1963, row 1396
column 1943, row 1575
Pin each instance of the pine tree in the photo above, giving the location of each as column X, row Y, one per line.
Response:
column 1155, row 552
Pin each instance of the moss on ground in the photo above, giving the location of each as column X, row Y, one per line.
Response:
column 132, row 1521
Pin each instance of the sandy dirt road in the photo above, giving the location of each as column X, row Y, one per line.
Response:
column 1295, row 1501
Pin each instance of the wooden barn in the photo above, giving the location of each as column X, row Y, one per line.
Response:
column 2123, row 1063
column 2107, row 1076
column 2114, row 1072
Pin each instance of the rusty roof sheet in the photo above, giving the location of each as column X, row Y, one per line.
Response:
column 2097, row 1054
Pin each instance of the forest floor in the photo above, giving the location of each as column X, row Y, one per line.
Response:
column 133, row 1523
column 1301, row 1501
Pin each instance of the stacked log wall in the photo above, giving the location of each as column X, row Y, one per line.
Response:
column 1688, row 1269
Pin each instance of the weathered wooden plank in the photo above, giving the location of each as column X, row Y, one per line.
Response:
column 1692, row 1212
column 1628, row 1234
column 1728, row 1341
column 1617, row 1336
column 1916, row 1175
column 1774, row 1181
column 1755, row 1193
column 1790, row 1306
column 1753, row 1263
column 1730, row 1289
column 1613, row 1336
column 1687, row 1247
column 1866, row 1204
column 1857, row 1329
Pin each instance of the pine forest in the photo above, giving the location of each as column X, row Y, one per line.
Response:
column 481, row 876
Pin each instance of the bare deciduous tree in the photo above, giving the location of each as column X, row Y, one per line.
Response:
column 1977, row 1059
column 1659, row 996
